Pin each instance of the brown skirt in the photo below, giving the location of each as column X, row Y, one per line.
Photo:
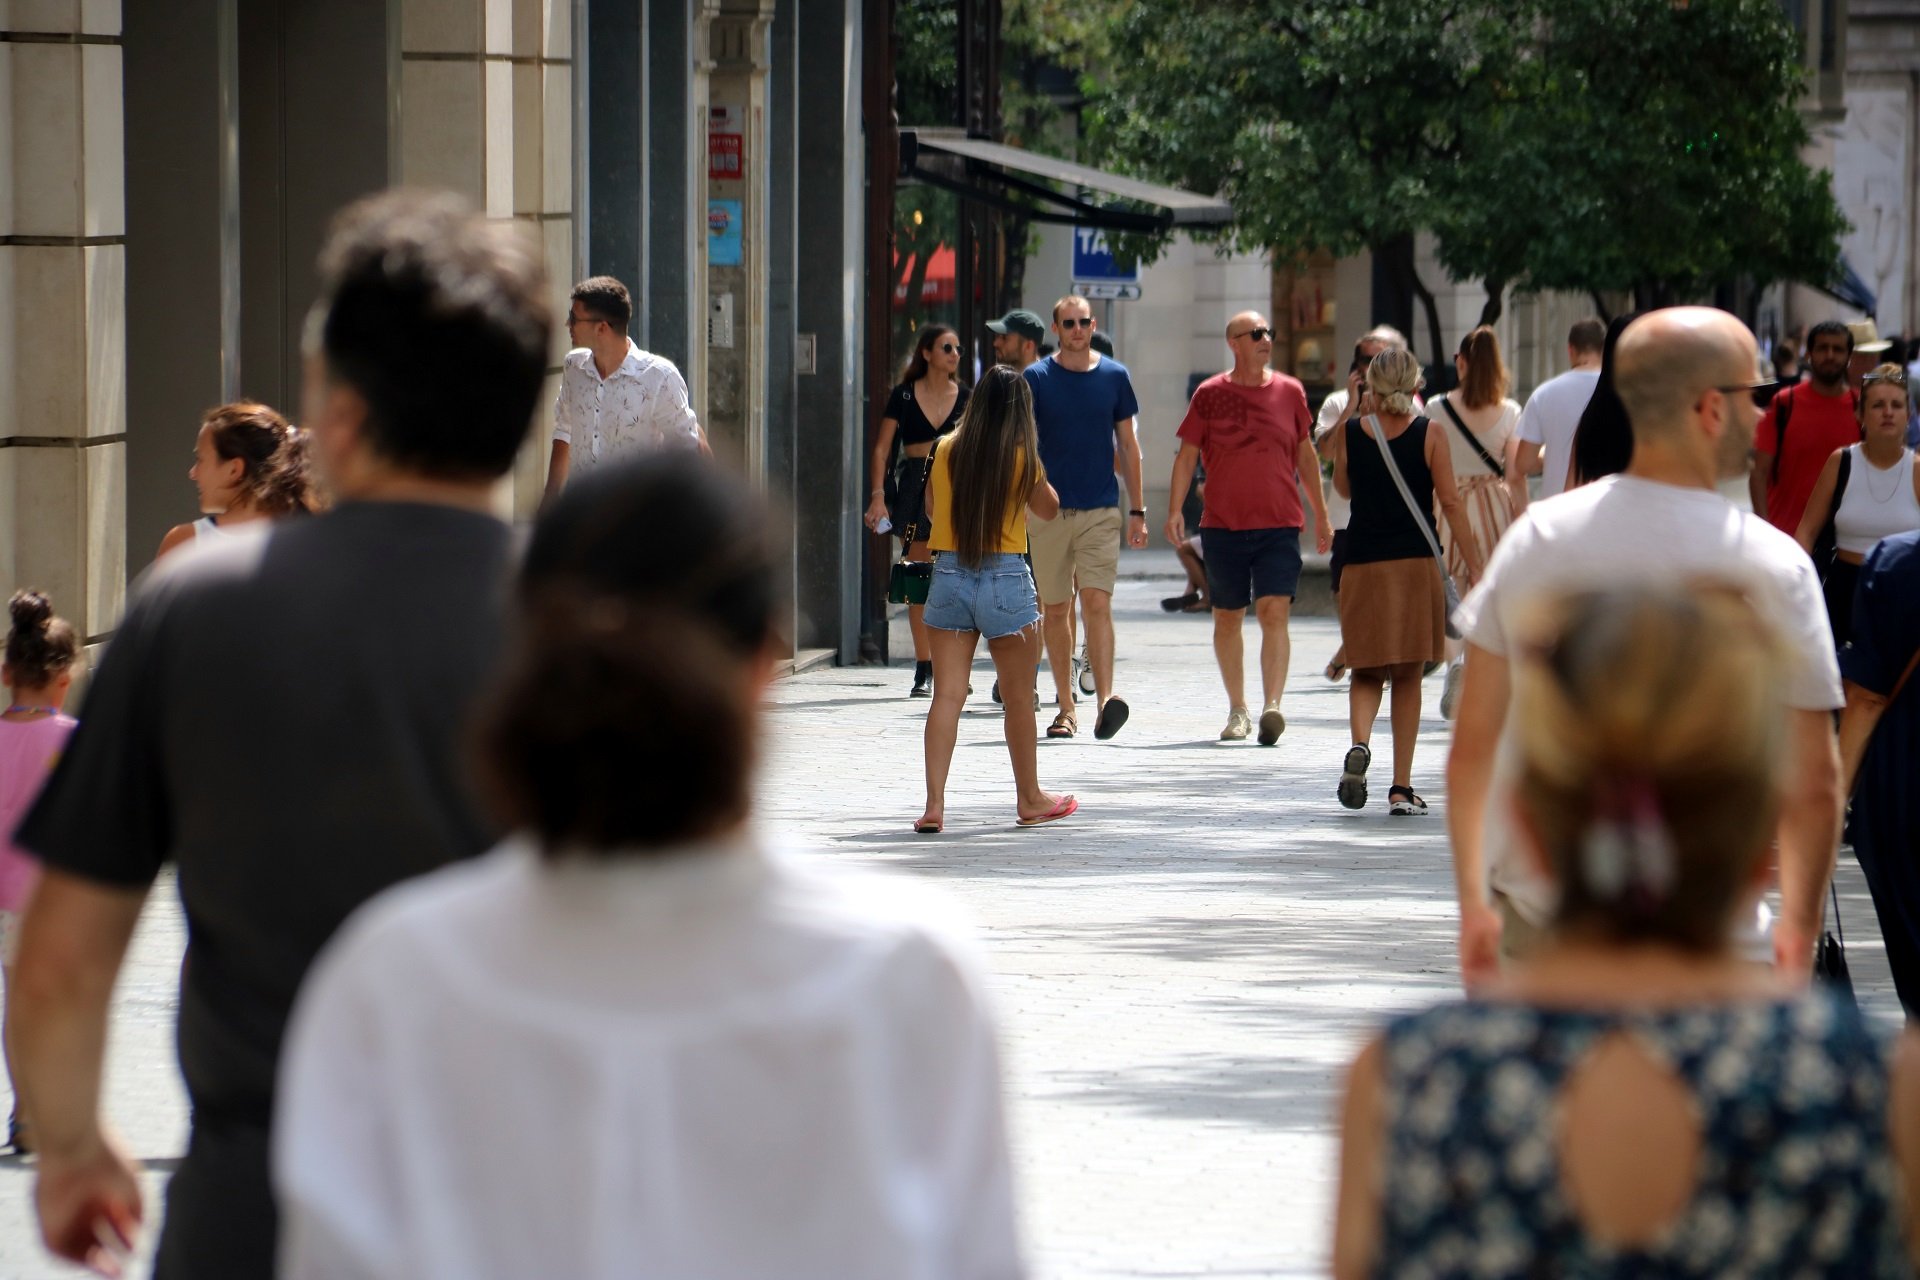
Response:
column 1392, row 611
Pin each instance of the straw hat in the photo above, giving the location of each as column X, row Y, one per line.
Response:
column 1866, row 338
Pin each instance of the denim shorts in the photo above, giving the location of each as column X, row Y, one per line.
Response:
column 996, row 599
column 1245, row 564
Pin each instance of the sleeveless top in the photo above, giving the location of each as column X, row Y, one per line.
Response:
column 1013, row 527
column 904, row 408
column 207, row 527
column 1795, row 1175
column 1381, row 527
column 1864, row 515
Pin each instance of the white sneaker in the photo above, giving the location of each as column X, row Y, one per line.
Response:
column 1239, row 725
column 1450, row 691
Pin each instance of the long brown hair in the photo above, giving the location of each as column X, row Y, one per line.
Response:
column 993, row 460
column 273, row 456
column 1486, row 381
column 923, row 343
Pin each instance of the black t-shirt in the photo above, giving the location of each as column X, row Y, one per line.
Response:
column 904, row 409
column 1381, row 527
column 282, row 716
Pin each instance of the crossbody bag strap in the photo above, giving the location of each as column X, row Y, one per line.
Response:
column 1372, row 425
column 1901, row 684
column 1446, row 402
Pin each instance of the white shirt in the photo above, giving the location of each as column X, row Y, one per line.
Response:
column 640, row 405
column 1333, row 411
column 1551, row 417
column 718, row 1065
column 1622, row 532
column 1467, row 463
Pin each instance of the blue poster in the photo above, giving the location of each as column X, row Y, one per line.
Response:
column 723, row 233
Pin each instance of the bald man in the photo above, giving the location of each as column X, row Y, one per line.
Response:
column 1685, row 375
column 1252, row 429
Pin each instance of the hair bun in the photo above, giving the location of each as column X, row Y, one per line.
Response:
column 30, row 610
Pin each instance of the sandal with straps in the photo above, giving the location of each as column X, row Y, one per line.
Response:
column 1402, row 803
column 1064, row 725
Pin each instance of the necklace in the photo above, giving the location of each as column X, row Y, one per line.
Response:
column 20, row 709
column 1897, row 471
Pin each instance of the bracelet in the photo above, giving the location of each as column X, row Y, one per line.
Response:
column 876, row 493
column 1138, row 512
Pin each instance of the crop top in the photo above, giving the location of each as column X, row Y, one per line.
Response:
column 904, row 409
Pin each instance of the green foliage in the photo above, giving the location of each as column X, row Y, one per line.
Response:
column 1650, row 145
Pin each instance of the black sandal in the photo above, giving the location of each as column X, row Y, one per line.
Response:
column 1403, row 803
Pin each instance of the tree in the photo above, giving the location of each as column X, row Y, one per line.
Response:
column 1644, row 145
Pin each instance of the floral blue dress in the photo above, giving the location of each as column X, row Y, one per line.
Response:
column 1795, row 1177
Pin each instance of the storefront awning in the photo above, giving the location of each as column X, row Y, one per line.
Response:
column 1010, row 178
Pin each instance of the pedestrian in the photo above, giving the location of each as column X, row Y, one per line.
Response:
column 1639, row 1099
column 615, row 400
column 1866, row 492
column 1603, row 438
column 1880, row 750
column 1683, row 375
column 1801, row 429
column 1477, row 423
column 1017, row 337
column 1553, row 410
column 280, row 717
column 705, row 1057
column 1332, row 415
column 1393, row 601
column 1191, row 555
column 1251, row 428
column 987, row 476
column 926, row 405
column 41, row 653
column 248, row 465
column 1786, row 372
column 1084, row 407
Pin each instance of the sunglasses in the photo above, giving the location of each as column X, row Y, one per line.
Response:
column 1894, row 379
column 1757, row 384
column 949, row 348
column 1077, row 322
column 1258, row 335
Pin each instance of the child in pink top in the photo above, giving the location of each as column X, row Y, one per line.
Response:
column 38, row 671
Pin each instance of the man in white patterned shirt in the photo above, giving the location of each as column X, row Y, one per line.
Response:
column 615, row 399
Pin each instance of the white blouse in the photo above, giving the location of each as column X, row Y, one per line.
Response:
column 1493, row 438
column 715, row 1065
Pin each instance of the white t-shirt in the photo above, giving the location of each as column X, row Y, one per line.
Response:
column 1621, row 532
column 1493, row 438
column 1551, row 417
column 716, row 1065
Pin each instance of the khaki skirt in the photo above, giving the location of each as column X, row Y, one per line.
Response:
column 1392, row 611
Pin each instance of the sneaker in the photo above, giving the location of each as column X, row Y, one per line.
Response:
column 1450, row 691
column 1405, row 804
column 1272, row 724
column 1239, row 725
column 1353, row 777
column 1085, row 674
column 922, row 685
column 996, row 693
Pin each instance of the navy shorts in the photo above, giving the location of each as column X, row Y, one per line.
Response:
column 1337, row 558
column 1245, row 564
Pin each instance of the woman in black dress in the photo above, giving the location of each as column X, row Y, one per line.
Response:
column 925, row 406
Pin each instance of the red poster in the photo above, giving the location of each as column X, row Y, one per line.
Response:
column 723, row 156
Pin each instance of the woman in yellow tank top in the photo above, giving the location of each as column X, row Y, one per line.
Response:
column 986, row 478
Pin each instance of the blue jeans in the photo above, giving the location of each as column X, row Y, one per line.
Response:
column 996, row 598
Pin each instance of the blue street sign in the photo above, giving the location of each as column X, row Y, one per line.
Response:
column 1093, row 261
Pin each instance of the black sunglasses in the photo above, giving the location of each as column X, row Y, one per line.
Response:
column 1079, row 322
column 949, row 348
column 1758, row 384
column 1258, row 335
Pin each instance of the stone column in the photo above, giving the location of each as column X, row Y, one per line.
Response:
column 486, row 109
column 62, row 308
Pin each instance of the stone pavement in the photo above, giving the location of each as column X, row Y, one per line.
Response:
column 1182, row 968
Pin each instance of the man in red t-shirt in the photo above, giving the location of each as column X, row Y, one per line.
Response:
column 1252, row 429
column 1820, row 418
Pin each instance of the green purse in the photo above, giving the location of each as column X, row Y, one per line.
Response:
column 910, row 582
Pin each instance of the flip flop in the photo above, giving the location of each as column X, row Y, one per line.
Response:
column 1336, row 671
column 1066, row 806
column 1112, row 715
column 926, row 827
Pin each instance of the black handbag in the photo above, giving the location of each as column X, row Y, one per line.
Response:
column 911, row 581
column 1830, row 957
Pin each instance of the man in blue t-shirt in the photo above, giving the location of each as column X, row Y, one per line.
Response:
column 1084, row 406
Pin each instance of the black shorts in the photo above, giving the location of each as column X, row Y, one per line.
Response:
column 1245, row 564
column 1337, row 558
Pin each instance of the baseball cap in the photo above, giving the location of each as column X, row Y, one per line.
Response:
column 1021, row 322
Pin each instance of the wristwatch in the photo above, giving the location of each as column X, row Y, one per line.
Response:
column 1137, row 512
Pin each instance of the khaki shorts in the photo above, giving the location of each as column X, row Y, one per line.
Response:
column 1519, row 937
column 1075, row 546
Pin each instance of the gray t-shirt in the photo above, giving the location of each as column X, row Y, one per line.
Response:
column 282, row 716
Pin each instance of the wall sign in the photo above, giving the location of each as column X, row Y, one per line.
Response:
column 724, row 150
column 723, row 233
